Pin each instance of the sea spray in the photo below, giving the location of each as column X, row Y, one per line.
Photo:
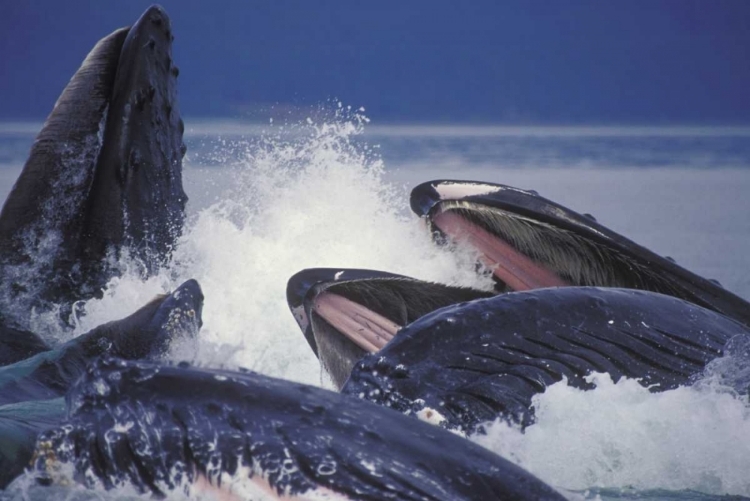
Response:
column 730, row 372
column 314, row 195
column 308, row 196
column 621, row 435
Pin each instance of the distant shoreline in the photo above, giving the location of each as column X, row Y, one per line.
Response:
column 201, row 127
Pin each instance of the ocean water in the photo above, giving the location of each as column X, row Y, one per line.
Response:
column 268, row 200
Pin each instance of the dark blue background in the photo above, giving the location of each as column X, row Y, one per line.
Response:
column 596, row 61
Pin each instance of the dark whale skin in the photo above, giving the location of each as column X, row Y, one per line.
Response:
column 104, row 177
column 146, row 334
column 486, row 359
column 137, row 199
column 32, row 390
column 157, row 427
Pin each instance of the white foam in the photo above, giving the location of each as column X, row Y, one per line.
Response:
column 622, row 435
column 298, row 201
column 452, row 191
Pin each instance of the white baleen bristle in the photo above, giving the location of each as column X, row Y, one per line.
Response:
column 456, row 191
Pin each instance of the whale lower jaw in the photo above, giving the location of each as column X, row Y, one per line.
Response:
column 346, row 314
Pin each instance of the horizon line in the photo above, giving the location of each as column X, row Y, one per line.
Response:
column 234, row 127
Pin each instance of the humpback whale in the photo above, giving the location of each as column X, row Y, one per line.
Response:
column 161, row 428
column 531, row 242
column 31, row 390
column 103, row 179
column 147, row 333
column 485, row 359
column 347, row 313
column 103, row 176
column 473, row 356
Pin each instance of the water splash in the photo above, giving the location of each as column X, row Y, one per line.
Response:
column 730, row 372
column 311, row 195
column 621, row 435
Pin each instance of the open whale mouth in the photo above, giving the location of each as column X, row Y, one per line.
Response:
column 529, row 242
column 364, row 327
column 346, row 314
column 510, row 266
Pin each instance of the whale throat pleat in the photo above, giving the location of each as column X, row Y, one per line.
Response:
column 66, row 149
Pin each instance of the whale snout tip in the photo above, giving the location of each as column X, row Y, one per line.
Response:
column 156, row 15
column 155, row 19
column 423, row 198
column 193, row 289
column 298, row 290
column 301, row 282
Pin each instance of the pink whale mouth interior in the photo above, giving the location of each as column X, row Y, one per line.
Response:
column 516, row 270
column 371, row 331
column 364, row 327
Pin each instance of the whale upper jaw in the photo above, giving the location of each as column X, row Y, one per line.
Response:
column 529, row 242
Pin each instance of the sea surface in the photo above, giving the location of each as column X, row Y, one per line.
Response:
column 267, row 200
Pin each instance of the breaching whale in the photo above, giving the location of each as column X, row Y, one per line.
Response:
column 485, row 359
column 162, row 428
column 347, row 313
column 531, row 242
column 31, row 390
column 104, row 175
